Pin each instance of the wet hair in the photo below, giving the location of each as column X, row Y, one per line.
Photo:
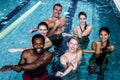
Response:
column 57, row 5
column 106, row 30
column 82, row 13
column 38, row 36
column 43, row 23
column 74, row 37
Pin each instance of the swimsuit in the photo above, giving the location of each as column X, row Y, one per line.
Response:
column 56, row 39
column 43, row 76
column 84, row 40
column 102, row 58
column 99, row 60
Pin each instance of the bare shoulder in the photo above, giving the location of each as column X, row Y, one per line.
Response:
column 96, row 43
column 62, row 19
column 79, row 51
column 27, row 52
column 63, row 57
column 89, row 26
column 47, row 20
column 47, row 53
column 75, row 28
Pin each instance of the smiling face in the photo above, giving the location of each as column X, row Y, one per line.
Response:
column 43, row 30
column 38, row 45
column 57, row 11
column 104, row 36
column 82, row 19
column 72, row 45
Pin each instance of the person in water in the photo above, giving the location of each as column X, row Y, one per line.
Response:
column 43, row 30
column 33, row 61
column 70, row 60
column 82, row 31
column 56, row 25
column 101, row 52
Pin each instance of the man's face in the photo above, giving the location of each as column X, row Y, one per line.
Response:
column 57, row 11
column 38, row 45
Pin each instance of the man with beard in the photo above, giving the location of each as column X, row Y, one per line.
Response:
column 56, row 25
column 33, row 61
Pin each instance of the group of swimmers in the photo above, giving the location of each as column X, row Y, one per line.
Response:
column 34, row 60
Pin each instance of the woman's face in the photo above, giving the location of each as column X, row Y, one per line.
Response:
column 43, row 30
column 82, row 19
column 104, row 36
column 73, row 45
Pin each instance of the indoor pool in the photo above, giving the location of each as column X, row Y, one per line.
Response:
column 99, row 13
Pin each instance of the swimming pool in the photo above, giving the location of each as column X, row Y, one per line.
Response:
column 99, row 14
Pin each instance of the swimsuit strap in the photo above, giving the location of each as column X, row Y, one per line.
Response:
column 84, row 27
column 80, row 28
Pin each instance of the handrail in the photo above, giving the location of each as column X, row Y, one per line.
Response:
column 15, row 23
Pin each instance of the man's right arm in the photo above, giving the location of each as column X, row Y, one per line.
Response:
column 42, row 61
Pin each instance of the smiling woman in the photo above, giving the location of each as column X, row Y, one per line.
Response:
column 102, row 52
column 99, row 13
column 70, row 60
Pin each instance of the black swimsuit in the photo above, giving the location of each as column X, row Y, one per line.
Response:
column 102, row 58
column 84, row 40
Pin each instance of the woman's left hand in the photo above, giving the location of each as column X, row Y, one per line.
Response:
column 59, row 74
column 74, row 63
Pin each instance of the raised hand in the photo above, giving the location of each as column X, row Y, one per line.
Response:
column 16, row 68
column 57, row 23
column 59, row 74
column 75, row 64
column 6, row 68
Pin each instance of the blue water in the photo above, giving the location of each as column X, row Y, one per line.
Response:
column 99, row 14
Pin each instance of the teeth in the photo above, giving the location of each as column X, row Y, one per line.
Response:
column 38, row 49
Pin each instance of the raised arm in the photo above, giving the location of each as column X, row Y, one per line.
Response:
column 72, row 65
column 12, row 50
column 95, row 48
column 10, row 67
column 33, row 30
column 69, row 68
column 87, row 31
column 63, row 23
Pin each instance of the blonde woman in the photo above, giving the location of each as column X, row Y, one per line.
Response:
column 70, row 60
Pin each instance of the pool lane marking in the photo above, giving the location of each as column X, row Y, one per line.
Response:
column 15, row 23
column 117, row 2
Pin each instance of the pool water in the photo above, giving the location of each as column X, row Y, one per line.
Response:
column 99, row 13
